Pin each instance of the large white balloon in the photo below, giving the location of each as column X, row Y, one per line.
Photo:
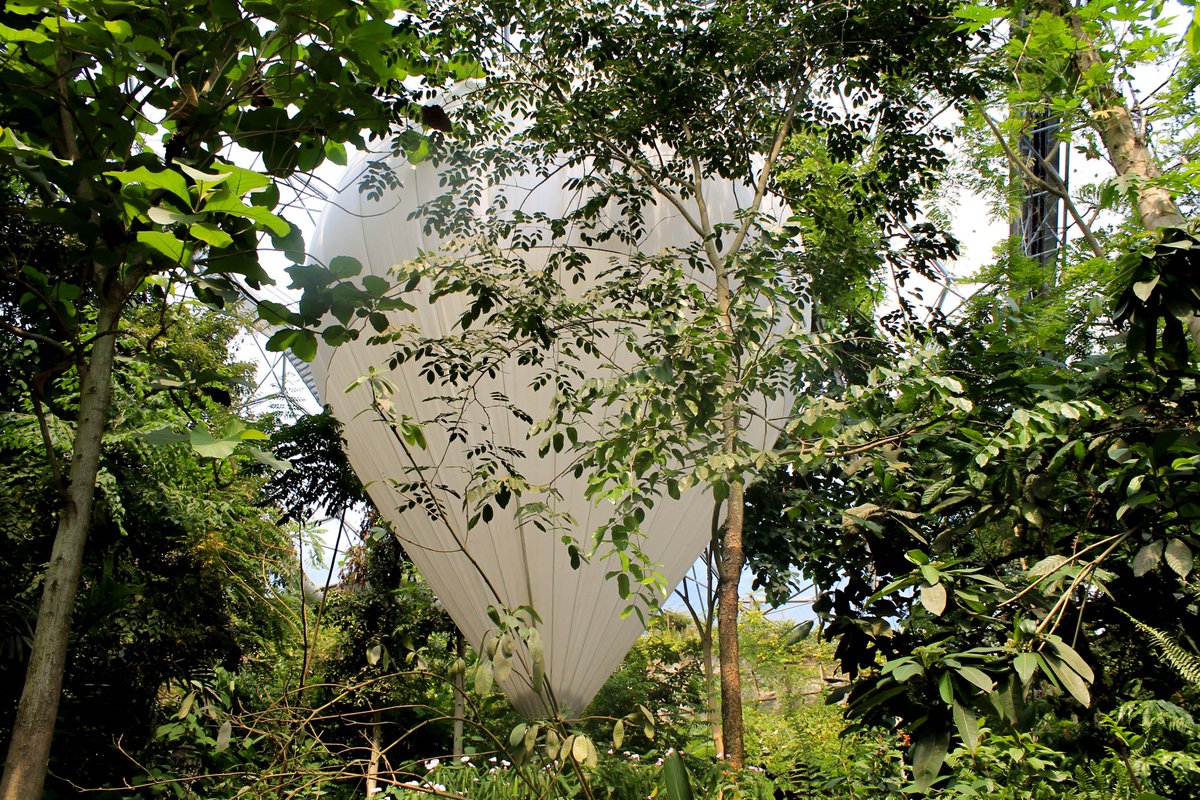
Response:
column 505, row 562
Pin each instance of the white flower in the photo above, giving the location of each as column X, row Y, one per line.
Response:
column 492, row 760
column 505, row 764
column 465, row 759
column 432, row 763
column 439, row 788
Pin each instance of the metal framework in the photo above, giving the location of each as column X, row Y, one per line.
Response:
column 1039, row 223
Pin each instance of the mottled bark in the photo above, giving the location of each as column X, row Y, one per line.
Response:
column 1127, row 149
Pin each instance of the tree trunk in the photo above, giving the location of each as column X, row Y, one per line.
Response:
column 733, row 558
column 1129, row 152
column 33, row 729
column 1111, row 118
column 376, row 755
column 710, row 690
column 460, row 695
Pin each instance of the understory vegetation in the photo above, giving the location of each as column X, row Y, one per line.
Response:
column 971, row 537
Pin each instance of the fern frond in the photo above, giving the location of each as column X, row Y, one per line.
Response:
column 1185, row 663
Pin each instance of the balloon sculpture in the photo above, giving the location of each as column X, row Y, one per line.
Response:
column 504, row 562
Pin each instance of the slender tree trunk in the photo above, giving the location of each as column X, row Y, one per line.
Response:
column 33, row 729
column 376, row 755
column 710, row 690
column 733, row 558
column 460, row 694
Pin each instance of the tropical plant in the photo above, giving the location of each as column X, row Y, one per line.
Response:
column 121, row 118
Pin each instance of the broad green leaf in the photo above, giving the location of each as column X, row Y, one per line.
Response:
column 967, row 724
column 302, row 343
column 1179, row 557
column 1068, row 678
column 1143, row 289
column 228, row 204
column 1073, row 659
column 907, row 671
column 165, row 243
column 268, row 459
column 1025, row 664
column 168, row 216
column 168, row 180
column 946, row 688
column 579, row 748
column 618, row 737
column 679, row 785
column 8, row 34
column 928, row 754
column 1147, row 558
column 537, row 654
column 344, row 266
column 977, row 677
column 483, row 677
column 165, row 436
column 1047, row 565
column 223, row 736
column 186, row 705
column 210, row 234
column 517, row 735
column 933, row 597
column 204, row 444
column 375, row 285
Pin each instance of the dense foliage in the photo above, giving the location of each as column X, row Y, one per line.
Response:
column 997, row 507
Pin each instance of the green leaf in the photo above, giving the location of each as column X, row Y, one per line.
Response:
column 933, row 597
column 203, row 444
column 618, row 737
column 1025, row 665
column 1179, row 557
column 1147, row 558
column 210, row 234
column 1068, row 655
column 537, row 654
column 344, row 266
column 301, row 342
column 223, row 736
column 165, row 436
column 165, row 243
column 168, row 180
column 162, row 215
column 228, row 204
column 8, row 34
column 968, row 726
column 946, row 688
column 977, row 677
column 484, row 678
column 268, row 459
column 186, row 705
column 1068, row 678
column 375, row 285
column 1047, row 565
column 679, row 785
column 928, row 754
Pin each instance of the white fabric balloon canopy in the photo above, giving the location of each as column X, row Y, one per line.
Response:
column 505, row 562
